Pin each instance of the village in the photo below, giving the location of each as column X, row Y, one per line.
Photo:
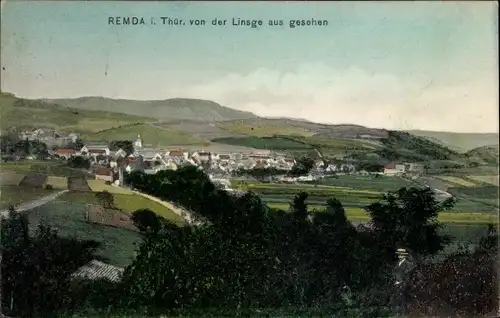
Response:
column 109, row 165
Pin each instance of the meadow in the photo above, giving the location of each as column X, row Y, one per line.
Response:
column 14, row 195
column 152, row 135
column 69, row 219
column 264, row 130
column 53, row 168
column 126, row 202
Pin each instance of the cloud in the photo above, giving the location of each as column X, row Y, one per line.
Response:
column 320, row 93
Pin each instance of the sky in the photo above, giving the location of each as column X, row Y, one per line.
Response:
column 393, row 65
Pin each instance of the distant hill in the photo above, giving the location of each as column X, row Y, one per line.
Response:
column 459, row 141
column 485, row 154
column 196, row 121
column 174, row 108
column 24, row 113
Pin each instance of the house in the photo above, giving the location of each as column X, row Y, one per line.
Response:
column 103, row 173
column 201, row 156
column 178, row 154
column 95, row 150
column 394, row 169
column 414, row 167
column 134, row 163
column 224, row 158
column 65, row 152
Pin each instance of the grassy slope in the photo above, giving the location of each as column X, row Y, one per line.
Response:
column 15, row 195
column 155, row 136
column 264, row 130
column 68, row 217
column 126, row 202
column 17, row 112
column 175, row 108
column 486, row 154
column 459, row 141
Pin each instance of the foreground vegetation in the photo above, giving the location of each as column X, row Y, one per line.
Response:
column 249, row 260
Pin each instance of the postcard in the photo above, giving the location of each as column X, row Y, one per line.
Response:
column 253, row 158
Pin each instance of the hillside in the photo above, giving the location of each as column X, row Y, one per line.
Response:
column 459, row 141
column 21, row 113
column 174, row 108
column 485, row 154
column 155, row 136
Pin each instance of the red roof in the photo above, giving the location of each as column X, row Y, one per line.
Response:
column 65, row 151
column 102, row 171
column 97, row 150
column 176, row 153
column 390, row 166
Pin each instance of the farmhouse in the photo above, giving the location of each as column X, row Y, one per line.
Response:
column 178, row 154
column 103, row 173
column 95, row 150
column 394, row 169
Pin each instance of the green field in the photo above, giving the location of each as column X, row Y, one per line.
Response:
column 58, row 169
column 118, row 245
column 264, row 130
column 355, row 192
column 359, row 214
column 14, row 195
column 155, row 136
column 17, row 112
column 272, row 143
column 125, row 202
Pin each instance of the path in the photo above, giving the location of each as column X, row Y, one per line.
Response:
column 188, row 216
column 33, row 204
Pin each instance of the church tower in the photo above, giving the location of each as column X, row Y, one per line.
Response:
column 138, row 143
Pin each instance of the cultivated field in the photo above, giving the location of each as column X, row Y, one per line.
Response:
column 200, row 129
column 69, row 218
column 264, row 130
column 46, row 167
column 36, row 180
column 100, row 185
column 359, row 214
column 11, row 178
column 78, row 184
column 356, row 192
column 491, row 179
column 152, row 135
column 99, row 215
column 14, row 195
column 456, row 181
column 57, row 182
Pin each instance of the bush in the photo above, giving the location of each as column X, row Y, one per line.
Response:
column 49, row 187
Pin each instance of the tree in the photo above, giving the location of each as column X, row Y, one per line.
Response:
column 302, row 166
column 408, row 217
column 36, row 269
column 105, row 199
column 78, row 162
column 146, row 220
column 77, row 145
column 299, row 206
column 125, row 145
